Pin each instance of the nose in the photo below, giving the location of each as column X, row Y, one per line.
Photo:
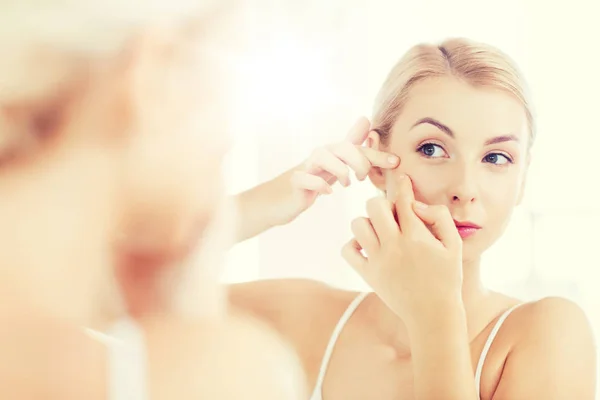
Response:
column 463, row 188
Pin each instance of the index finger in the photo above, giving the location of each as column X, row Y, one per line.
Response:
column 380, row 159
column 409, row 222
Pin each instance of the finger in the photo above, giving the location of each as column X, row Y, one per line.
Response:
column 352, row 156
column 306, row 181
column 365, row 235
column 440, row 221
column 351, row 252
column 325, row 160
column 409, row 222
column 380, row 159
column 359, row 131
column 381, row 215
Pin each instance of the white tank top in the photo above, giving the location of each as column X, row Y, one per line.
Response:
column 317, row 393
column 127, row 361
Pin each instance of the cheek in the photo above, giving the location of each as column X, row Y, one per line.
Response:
column 502, row 187
column 170, row 180
column 429, row 183
column 57, row 216
column 499, row 196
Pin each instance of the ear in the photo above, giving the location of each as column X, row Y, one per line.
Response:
column 376, row 175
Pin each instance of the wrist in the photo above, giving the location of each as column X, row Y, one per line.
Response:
column 441, row 355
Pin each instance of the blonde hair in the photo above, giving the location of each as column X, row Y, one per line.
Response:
column 44, row 41
column 475, row 63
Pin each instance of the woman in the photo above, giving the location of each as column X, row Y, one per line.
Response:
column 101, row 158
column 458, row 118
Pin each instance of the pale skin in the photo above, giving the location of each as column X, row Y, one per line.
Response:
column 464, row 155
column 104, row 188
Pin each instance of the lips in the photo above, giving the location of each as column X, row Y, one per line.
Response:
column 466, row 229
column 466, row 224
column 163, row 247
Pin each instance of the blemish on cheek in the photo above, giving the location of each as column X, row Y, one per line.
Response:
column 393, row 185
column 394, row 179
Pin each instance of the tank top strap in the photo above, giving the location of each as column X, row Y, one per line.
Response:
column 488, row 345
column 127, row 361
column 316, row 395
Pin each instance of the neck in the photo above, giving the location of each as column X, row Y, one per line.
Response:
column 473, row 291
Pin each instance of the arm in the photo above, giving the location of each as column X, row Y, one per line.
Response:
column 283, row 304
column 282, row 199
column 555, row 359
column 441, row 356
column 414, row 263
column 260, row 208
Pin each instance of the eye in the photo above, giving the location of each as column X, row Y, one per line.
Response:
column 28, row 128
column 497, row 159
column 431, row 150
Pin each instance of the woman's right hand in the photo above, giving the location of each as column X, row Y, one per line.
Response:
column 283, row 199
column 328, row 165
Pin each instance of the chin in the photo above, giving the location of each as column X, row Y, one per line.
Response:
column 473, row 250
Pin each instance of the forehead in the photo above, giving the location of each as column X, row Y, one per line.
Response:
column 466, row 109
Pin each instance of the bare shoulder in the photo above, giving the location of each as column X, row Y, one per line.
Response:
column 552, row 316
column 268, row 288
column 554, row 338
column 280, row 300
column 304, row 312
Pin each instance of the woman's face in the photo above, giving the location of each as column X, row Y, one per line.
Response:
column 465, row 148
column 133, row 160
column 57, row 185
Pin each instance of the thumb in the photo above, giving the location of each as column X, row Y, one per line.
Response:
column 359, row 131
column 440, row 222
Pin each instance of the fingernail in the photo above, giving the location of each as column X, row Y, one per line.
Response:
column 393, row 160
column 421, row 206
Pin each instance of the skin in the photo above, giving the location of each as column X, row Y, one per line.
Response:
column 422, row 331
column 106, row 191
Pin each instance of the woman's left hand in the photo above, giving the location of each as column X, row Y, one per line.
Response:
column 414, row 262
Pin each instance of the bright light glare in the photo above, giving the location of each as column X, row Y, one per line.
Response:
column 284, row 80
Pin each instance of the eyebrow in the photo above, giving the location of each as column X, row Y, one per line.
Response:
column 444, row 128
column 436, row 123
column 502, row 139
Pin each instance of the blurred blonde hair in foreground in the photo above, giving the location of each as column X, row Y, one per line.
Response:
column 70, row 32
column 132, row 89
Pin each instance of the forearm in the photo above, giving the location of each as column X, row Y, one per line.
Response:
column 252, row 218
column 441, row 357
column 258, row 208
